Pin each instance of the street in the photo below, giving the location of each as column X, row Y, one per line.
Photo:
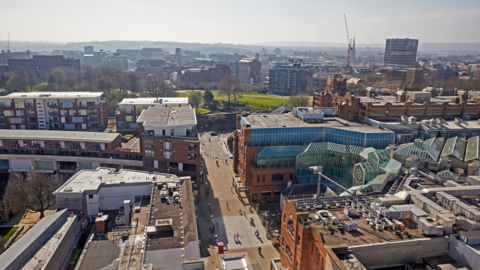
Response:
column 227, row 219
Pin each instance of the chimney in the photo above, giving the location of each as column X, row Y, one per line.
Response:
column 126, row 206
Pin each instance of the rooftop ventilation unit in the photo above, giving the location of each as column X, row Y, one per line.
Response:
column 458, row 121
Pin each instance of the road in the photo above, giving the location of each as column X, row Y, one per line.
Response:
column 224, row 211
column 215, row 146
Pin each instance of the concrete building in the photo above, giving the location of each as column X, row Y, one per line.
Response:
column 151, row 54
column 249, row 71
column 169, row 141
column 400, row 51
column 116, row 60
column 129, row 109
column 278, row 52
column 43, row 62
column 138, row 235
column 267, row 148
column 53, row 111
column 88, row 50
column 64, row 152
column 4, row 56
column 178, row 57
column 289, row 79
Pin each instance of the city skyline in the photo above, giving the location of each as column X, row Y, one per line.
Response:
column 371, row 22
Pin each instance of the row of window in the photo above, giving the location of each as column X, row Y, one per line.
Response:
column 275, row 177
column 163, row 165
column 168, row 155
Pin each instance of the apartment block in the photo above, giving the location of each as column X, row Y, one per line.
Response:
column 66, row 152
column 399, row 51
column 44, row 62
column 249, row 70
column 169, row 141
column 289, row 79
column 130, row 109
column 79, row 111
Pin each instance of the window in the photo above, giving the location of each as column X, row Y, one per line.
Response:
column 263, row 178
column 149, row 153
column 298, row 240
column 149, row 144
column 172, row 132
column 167, row 146
column 192, row 157
column 258, row 178
column 163, row 132
column 288, row 252
column 277, row 177
column 192, row 148
column 149, row 163
column 167, row 155
column 189, row 167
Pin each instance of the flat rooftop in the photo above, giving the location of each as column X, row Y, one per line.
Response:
column 159, row 116
column 50, row 135
column 363, row 235
column 150, row 101
column 268, row 120
column 47, row 95
column 92, row 179
column 450, row 125
column 383, row 99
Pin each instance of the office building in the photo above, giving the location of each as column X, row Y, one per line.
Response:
column 4, row 56
column 88, row 50
column 249, row 71
column 43, row 62
column 116, row 60
column 53, row 111
column 129, row 109
column 178, row 57
column 207, row 75
column 151, row 53
column 169, row 141
column 268, row 148
column 399, row 51
column 289, row 79
column 277, row 52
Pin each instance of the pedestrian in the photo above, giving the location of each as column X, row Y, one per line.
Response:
column 256, row 233
column 227, row 204
column 235, row 237
column 260, row 237
column 259, row 250
column 238, row 236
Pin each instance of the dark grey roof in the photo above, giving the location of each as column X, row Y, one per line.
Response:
column 282, row 109
column 30, row 242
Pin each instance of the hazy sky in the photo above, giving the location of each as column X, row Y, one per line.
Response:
column 240, row 21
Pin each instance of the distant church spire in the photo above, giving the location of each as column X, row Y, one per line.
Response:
column 353, row 52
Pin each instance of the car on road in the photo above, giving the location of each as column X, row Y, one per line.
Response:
column 213, row 134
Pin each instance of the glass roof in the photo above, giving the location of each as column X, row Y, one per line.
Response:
column 455, row 146
column 279, row 151
column 472, row 148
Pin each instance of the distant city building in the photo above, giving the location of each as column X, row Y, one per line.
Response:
column 401, row 52
column 228, row 59
column 178, row 57
column 88, row 50
column 206, row 62
column 415, row 78
column 353, row 55
column 204, row 75
column 44, row 62
column 249, row 70
column 132, row 55
column 151, row 53
column 4, row 56
column 116, row 60
column 278, row 52
column 289, row 79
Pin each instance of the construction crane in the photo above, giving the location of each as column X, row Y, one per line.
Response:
column 347, row 69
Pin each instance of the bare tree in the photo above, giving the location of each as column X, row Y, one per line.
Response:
column 34, row 193
column 227, row 85
column 152, row 85
column 298, row 101
column 134, row 83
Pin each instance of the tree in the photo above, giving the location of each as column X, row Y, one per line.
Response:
column 86, row 87
column 34, row 193
column 134, row 84
column 17, row 83
column 59, row 76
column 105, row 84
column 152, row 85
column 208, row 96
column 238, row 91
column 195, row 99
column 298, row 101
column 31, row 78
column 226, row 86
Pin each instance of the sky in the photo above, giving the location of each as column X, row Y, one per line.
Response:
column 240, row 21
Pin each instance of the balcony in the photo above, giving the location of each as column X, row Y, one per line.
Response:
column 55, row 147
column 53, row 113
column 93, row 120
column 34, row 146
column 94, row 113
column 5, row 105
column 12, row 145
column 90, row 105
column 119, row 111
column 177, row 138
column 74, row 148
column 28, row 105
column 52, row 105
column 192, row 149
column 95, row 149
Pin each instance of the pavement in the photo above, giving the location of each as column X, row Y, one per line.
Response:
column 227, row 220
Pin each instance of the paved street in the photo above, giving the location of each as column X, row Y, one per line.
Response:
column 229, row 220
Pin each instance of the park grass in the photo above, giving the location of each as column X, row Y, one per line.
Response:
column 201, row 111
column 7, row 232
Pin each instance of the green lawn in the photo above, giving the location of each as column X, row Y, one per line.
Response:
column 7, row 232
column 253, row 98
column 201, row 111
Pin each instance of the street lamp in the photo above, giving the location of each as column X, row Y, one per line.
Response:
column 168, row 171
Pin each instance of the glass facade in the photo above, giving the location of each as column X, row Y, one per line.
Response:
column 306, row 135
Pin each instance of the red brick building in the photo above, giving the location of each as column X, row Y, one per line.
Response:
column 43, row 62
column 249, row 70
column 204, row 74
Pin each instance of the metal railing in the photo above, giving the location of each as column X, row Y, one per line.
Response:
column 119, row 111
column 33, row 146
column 95, row 149
column 13, row 145
column 55, row 147
column 179, row 138
column 75, row 148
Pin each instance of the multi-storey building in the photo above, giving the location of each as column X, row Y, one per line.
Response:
column 43, row 62
column 4, row 56
column 53, row 110
column 64, row 151
column 267, row 147
column 289, row 79
column 204, row 74
column 399, row 51
column 249, row 70
column 129, row 109
column 169, row 141
column 116, row 60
